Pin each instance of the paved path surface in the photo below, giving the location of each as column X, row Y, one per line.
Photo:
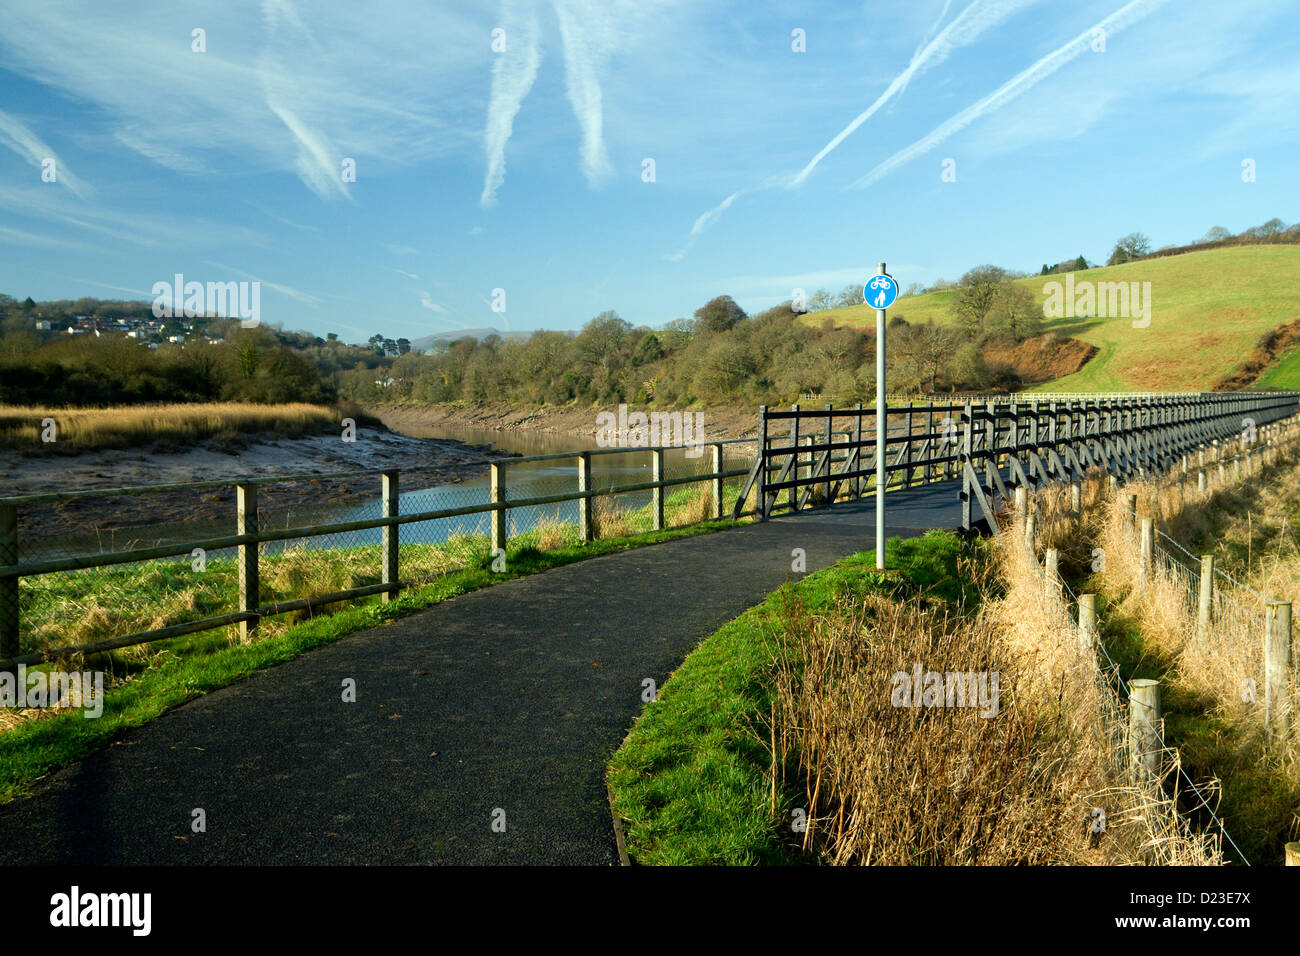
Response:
column 511, row 697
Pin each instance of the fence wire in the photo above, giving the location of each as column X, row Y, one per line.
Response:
column 1113, row 695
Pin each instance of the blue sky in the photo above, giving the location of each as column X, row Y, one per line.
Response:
column 522, row 170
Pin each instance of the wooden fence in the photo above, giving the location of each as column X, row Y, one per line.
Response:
column 250, row 535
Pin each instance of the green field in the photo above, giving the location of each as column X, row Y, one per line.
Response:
column 1208, row 310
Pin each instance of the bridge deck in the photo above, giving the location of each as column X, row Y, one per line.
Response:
column 513, row 697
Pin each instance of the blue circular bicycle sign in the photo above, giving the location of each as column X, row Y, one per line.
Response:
column 880, row 291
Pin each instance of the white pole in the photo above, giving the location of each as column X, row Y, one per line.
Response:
column 880, row 433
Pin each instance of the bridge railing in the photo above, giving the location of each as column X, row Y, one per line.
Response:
column 239, row 562
column 812, row 457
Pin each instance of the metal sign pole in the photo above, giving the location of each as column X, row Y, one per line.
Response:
column 881, row 479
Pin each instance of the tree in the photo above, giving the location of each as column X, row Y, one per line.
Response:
column 1133, row 246
column 403, row 346
column 821, row 299
column 850, row 295
column 718, row 314
column 975, row 295
column 1268, row 232
column 1017, row 313
column 1216, row 234
column 966, row 367
column 1080, row 264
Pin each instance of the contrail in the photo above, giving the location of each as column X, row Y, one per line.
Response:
column 512, row 77
column 973, row 21
column 969, row 25
column 17, row 136
column 1021, row 83
column 588, row 38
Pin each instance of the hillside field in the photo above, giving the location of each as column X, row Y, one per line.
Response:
column 1208, row 311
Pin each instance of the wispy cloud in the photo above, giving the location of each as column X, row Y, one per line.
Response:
column 399, row 249
column 408, row 275
column 290, row 291
column 426, row 300
column 116, row 288
column 270, row 94
column 20, row 237
column 1021, row 83
column 18, row 137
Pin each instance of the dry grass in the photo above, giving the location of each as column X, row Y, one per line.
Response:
column 81, row 428
column 903, row 785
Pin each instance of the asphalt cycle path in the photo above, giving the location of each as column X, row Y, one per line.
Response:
column 481, row 726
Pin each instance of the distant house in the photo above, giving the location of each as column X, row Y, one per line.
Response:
column 43, row 325
column 176, row 339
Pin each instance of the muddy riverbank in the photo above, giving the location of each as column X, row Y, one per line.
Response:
column 430, row 462
column 720, row 422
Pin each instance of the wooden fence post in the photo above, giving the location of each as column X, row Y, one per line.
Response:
column 1202, row 481
column 907, row 447
column 10, row 617
column 1205, row 599
column 499, row 533
column 1051, row 574
column 794, row 445
column 1143, row 719
column 1293, row 854
column 246, row 523
column 930, row 444
column 829, row 456
column 1022, row 501
column 389, row 548
column 760, row 497
column 586, row 527
column 1087, row 624
column 1076, row 498
column 1030, row 532
column 1130, row 511
column 717, row 481
column 1146, row 552
column 1277, row 669
column 657, row 493
column 857, row 441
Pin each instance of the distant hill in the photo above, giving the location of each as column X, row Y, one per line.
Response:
column 478, row 335
column 1209, row 312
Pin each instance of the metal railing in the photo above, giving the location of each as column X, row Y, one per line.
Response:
column 818, row 455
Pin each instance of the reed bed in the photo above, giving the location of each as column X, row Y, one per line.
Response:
column 22, row 427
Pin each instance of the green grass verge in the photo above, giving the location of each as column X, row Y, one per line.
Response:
column 691, row 779
column 31, row 749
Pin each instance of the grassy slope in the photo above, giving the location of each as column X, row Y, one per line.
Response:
column 691, row 780
column 1208, row 310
